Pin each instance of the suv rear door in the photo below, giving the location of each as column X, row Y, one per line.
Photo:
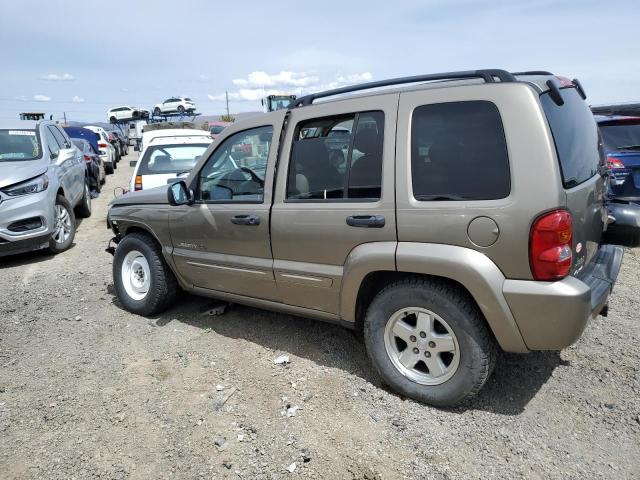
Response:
column 334, row 192
column 580, row 155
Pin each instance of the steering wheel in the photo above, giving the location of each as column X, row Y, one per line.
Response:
column 253, row 174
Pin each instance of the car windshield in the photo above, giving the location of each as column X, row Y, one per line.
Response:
column 216, row 129
column 171, row 158
column 19, row 145
column 621, row 135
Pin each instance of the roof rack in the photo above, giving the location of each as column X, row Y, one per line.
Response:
column 489, row 76
column 533, row 72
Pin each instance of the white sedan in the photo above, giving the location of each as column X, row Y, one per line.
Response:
column 126, row 113
column 167, row 157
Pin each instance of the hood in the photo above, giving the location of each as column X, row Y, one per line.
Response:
column 16, row 172
column 152, row 196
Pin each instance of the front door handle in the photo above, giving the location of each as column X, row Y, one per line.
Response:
column 245, row 220
column 366, row 221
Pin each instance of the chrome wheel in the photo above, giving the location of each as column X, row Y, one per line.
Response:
column 422, row 346
column 63, row 227
column 136, row 275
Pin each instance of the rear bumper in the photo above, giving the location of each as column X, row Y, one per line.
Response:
column 553, row 315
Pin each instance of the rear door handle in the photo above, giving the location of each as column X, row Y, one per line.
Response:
column 245, row 220
column 366, row 221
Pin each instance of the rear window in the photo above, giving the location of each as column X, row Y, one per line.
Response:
column 19, row 145
column 459, row 152
column 575, row 134
column 177, row 158
column 621, row 136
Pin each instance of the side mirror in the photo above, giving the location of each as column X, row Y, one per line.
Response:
column 179, row 194
column 132, row 163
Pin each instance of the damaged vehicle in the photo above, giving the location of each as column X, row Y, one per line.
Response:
column 465, row 215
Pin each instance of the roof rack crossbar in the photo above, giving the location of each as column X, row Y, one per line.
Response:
column 533, row 72
column 489, row 76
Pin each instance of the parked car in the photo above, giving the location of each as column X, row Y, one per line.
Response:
column 106, row 150
column 150, row 131
column 216, row 128
column 469, row 217
column 166, row 158
column 95, row 167
column 126, row 113
column 85, row 134
column 123, row 143
column 42, row 181
column 175, row 105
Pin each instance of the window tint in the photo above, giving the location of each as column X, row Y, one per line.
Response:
column 459, row 152
column 623, row 134
column 575, row 134
column 62, row 142
column 236, row 170
column 337, row 158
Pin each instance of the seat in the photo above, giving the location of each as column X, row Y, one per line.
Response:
column 366, row 171
column 311, row 160
column 162, row 163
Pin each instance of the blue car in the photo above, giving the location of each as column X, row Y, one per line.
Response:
column 621, row 138
column 85, row 134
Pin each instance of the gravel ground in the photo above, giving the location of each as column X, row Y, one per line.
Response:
column 88, row 390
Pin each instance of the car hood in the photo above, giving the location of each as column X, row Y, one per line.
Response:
column 157, row 196
column 16, row 172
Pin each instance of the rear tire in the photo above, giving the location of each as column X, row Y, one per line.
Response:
column 113, row 119
column 180, row 109
column 143, row 281
column 449, row 351
column 83, row 209
column 108, row 169
column 64, row 228
column 156, row 111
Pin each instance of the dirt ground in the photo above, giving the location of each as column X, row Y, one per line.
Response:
column 88, row 390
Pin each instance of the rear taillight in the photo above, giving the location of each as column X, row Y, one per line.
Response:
column 87, row 158
column 550, row 244
column 137, row 184
column 102, row 145
column 614, row 163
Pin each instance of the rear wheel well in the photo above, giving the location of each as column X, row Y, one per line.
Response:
column 376, row 281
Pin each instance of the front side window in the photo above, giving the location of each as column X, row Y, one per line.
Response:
column 339, row 157
column 179, row 158
column 459, row 152
column 236, row 170
column 62, row 142
column 52, row 143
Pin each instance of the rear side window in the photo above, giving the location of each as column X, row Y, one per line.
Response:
column 459, row 152
column 575, row 134
column 62, row 142
column 337, row 158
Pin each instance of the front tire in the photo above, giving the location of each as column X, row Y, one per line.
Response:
column 156, row 111
column 180, row 109
column 64, row 228
column 143, row 281
column 429, row 341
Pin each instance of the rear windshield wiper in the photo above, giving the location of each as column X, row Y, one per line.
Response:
column 629, row 147
column 437, row 198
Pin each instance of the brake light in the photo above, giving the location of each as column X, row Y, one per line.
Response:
column 87, row 158
column 550, row 244
column 102, row 145
column 614, row 163
column 564, row 81
column 137, row 184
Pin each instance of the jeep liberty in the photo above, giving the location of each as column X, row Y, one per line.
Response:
column 445, row 216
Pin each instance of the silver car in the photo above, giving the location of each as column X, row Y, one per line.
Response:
column 42, row 181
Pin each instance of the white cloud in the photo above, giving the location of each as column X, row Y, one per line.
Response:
column 77, row 99
column 54, row 77
column 260, row 84
column 41, row 98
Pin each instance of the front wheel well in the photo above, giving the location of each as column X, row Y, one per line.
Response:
column 374, row 282
column 135, row 229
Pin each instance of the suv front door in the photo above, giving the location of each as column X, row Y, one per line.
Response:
column 335, row 192
column 221, row 242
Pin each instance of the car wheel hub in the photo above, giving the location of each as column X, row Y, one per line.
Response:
column 62, row 229
column 421, row 346
column 136, row 275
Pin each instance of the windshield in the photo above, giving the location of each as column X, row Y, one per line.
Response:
column 171, row 158
column 19, row 145
column 216, row 129
column 618, row 136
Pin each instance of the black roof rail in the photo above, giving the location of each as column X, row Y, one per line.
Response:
column 533, row 72
column 488, row 76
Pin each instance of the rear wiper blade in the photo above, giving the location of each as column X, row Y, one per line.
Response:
column 570, row 183
column 436, row 198
column 629, row 147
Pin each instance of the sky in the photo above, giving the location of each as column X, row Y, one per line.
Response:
column 81, row 57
